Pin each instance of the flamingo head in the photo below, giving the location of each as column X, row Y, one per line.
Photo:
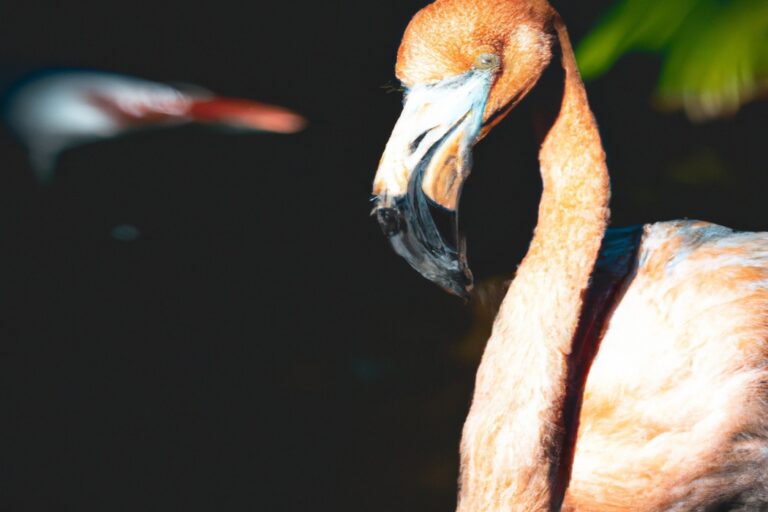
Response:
column 464, row 65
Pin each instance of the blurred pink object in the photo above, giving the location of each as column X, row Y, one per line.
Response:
column 57, row 110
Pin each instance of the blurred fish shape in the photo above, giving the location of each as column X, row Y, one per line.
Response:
column 53, row 111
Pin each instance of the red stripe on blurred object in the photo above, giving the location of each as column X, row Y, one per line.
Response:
column 249, row 114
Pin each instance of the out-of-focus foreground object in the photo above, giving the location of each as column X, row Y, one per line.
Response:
column 52, row 111
column 715, row 53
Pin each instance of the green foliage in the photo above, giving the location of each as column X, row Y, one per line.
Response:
column 715, row 52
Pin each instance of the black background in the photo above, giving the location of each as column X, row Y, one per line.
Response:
column 260, row 347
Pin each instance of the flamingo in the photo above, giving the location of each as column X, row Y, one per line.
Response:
column 59, row 109
column 626, row 368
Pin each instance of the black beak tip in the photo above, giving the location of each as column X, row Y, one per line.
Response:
column 457, row 283
column 390, row 220
column 428, row 254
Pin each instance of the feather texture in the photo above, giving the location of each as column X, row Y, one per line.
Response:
column 674, row 409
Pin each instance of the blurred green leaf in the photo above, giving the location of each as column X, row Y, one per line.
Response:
column 715, row 52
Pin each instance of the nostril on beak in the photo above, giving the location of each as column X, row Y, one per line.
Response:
column 390, row 220
column 415, row 144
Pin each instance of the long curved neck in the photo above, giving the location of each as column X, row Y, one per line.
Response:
column 516, row 450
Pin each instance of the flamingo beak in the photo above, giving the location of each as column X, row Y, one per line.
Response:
column 250, row 115
column 421, row 173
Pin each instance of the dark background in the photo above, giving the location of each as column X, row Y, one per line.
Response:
column 260, row 347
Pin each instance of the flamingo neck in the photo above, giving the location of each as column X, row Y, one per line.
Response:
column 517, row 444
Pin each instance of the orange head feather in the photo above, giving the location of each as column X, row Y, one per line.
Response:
column 448, row 37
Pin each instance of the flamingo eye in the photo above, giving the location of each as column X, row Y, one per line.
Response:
column 487, row 61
